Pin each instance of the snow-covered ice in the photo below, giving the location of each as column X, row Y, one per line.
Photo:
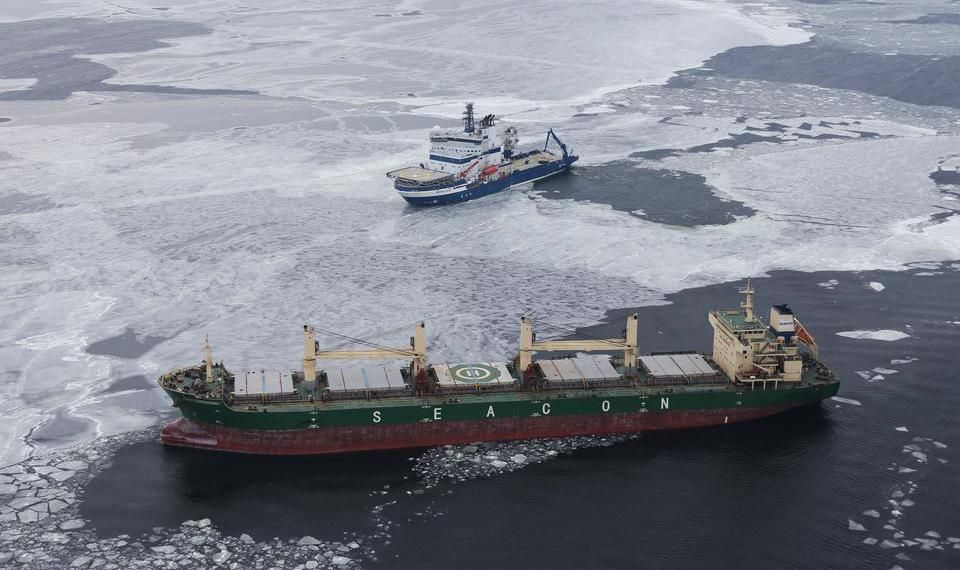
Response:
column 854, row 525
column 886, row 335
column 846, row 401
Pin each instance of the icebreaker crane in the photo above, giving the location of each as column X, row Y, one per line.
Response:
column 551, row 134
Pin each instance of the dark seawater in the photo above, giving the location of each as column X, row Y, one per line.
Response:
column 918, row 79
column 51, row 51
column 775, row 493
column 126, row 345
column 663, row 196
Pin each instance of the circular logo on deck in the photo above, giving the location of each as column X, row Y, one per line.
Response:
column 474, row 373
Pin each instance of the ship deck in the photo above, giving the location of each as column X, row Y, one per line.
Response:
column 419, row 175
column 642, row 384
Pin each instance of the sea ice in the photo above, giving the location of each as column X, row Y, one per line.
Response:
column 846, row 401
column 887, row 335
column 164, row 549
column 876, row 286
column 72, row 524
column 853, row 525
column 17, row 84
column 903, row 429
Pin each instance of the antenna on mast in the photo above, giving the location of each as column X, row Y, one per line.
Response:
column 468, row 119
column 747, row 304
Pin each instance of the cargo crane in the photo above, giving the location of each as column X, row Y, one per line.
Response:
column 416, row 352
column 628, row 344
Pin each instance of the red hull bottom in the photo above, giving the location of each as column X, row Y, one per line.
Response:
column 186, row 433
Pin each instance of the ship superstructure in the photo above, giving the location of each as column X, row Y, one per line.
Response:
column 756, row 370
column 480, row 159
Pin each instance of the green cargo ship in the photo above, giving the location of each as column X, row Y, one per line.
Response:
column 757, row 369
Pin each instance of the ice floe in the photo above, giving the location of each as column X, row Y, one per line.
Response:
column 846, row 401
column 887, row 335
column 902, row 499
column 40, row 527
column 876, row 286
column 462, row 463
column 853, row 525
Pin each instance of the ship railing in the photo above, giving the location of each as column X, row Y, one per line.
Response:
column 704, row 380
column 364, row 394
column 428, row 184
column 585, row 383
column 461, row 389
column 267, row 398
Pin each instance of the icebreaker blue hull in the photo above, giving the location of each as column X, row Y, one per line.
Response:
column 454, row 193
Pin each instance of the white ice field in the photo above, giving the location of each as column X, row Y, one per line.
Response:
column 243, row 217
